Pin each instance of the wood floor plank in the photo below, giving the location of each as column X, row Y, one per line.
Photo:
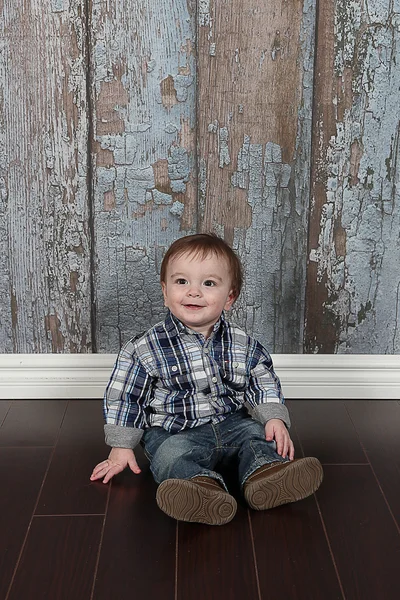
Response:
column 292, row 553
column 59, row 559
column 326, row 431
column 363, row 537
column 138, row 550
column 67, row 489
column 21, row 475
column 200, row 545
column 83, row 423
column 378, row 426
column 5, row 406
column 216, row 562
column 32, row 423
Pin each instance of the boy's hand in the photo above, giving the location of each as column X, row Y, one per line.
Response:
column 118, row 460
column 275, row 429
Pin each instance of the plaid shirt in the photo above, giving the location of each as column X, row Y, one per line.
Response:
column 174, row 378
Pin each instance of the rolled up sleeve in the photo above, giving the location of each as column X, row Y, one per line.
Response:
column 264, row 393
column 127, row 394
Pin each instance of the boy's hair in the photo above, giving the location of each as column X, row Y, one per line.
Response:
column 204, row 244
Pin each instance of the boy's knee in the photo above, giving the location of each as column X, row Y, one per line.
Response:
column 169, row 453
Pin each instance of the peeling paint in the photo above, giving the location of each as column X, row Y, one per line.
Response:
column 204, row 12
column 53, row 326
column 254, row 138
column 109, row 200
column 57, row 5
column 153, row 167
column 44, row 287
column 223, row 149
column 113, row 96
column 177, row 209
column 162, row 181
column 357, row 255
column 168, row 92
column 253, row 145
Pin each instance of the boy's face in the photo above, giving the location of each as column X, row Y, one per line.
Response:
column 197, row 290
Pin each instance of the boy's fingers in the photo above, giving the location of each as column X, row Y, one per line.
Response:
column 106, row 468
column 269, row 432
column 111, row 472
column 96, row 474
column 134, row 466
column 279, row 442
column 291, row 453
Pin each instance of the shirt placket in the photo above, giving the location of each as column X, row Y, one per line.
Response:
column 212, row 371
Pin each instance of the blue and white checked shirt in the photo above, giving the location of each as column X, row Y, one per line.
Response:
column 174, row 378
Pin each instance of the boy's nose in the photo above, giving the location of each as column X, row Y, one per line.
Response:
column 194, row 292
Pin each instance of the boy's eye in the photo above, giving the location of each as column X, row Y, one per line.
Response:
column 181, row 281
column 209, row 283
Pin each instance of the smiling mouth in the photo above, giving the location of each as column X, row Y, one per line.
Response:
column 193, row 306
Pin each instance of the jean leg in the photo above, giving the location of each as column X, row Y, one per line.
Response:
column 248, row 436
column 182, row 455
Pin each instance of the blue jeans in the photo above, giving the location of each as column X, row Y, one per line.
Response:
column 200, row 450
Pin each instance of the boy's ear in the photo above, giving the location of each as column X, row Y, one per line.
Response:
column 230, row 300
column 164, row 291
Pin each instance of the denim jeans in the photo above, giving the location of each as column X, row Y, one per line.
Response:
column 200, row 450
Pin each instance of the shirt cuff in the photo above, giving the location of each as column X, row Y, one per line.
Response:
column 122, row 437
column 270, row 410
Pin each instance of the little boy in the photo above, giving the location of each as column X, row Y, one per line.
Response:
column 198, row 393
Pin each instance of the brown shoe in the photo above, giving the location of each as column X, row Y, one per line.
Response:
column 197, row 500
column 280, row 483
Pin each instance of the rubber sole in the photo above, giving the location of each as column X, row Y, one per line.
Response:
column 184, row 500
column 296, row 481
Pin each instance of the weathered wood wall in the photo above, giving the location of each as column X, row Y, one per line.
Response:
column 45, row 293
column 353, row 289
column 255, row 107
column 144, row 85
column 124, row 125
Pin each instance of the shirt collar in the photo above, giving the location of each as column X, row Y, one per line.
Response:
column 174, row 325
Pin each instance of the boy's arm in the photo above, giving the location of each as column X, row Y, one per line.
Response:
column 127, row 393
column 264, row 392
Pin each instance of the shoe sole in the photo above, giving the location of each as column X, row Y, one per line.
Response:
column 186, row 501
column 299, row 480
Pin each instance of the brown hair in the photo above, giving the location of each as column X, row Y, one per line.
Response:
column 204, row 244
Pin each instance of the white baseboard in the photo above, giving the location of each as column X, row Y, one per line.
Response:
column 53, row 376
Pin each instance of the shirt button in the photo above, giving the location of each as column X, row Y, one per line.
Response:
column 206, row 351
column 214, row 380
column 174, row 368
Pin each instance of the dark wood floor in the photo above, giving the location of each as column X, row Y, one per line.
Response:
column 63, row 537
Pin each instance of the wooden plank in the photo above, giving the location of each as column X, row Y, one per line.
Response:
column 362, row 535
column 353, row 276
column 59, row 558
column 303, row 570
column 67, row 489
column 210, row 564
column 45, row 261
column 145, row 196
column 5, row 406
column 138, row 548
column 33, row 423
column 254, row 117
column 21, row 475
column 293, row 557
column 326, row 431
column 378, row 426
